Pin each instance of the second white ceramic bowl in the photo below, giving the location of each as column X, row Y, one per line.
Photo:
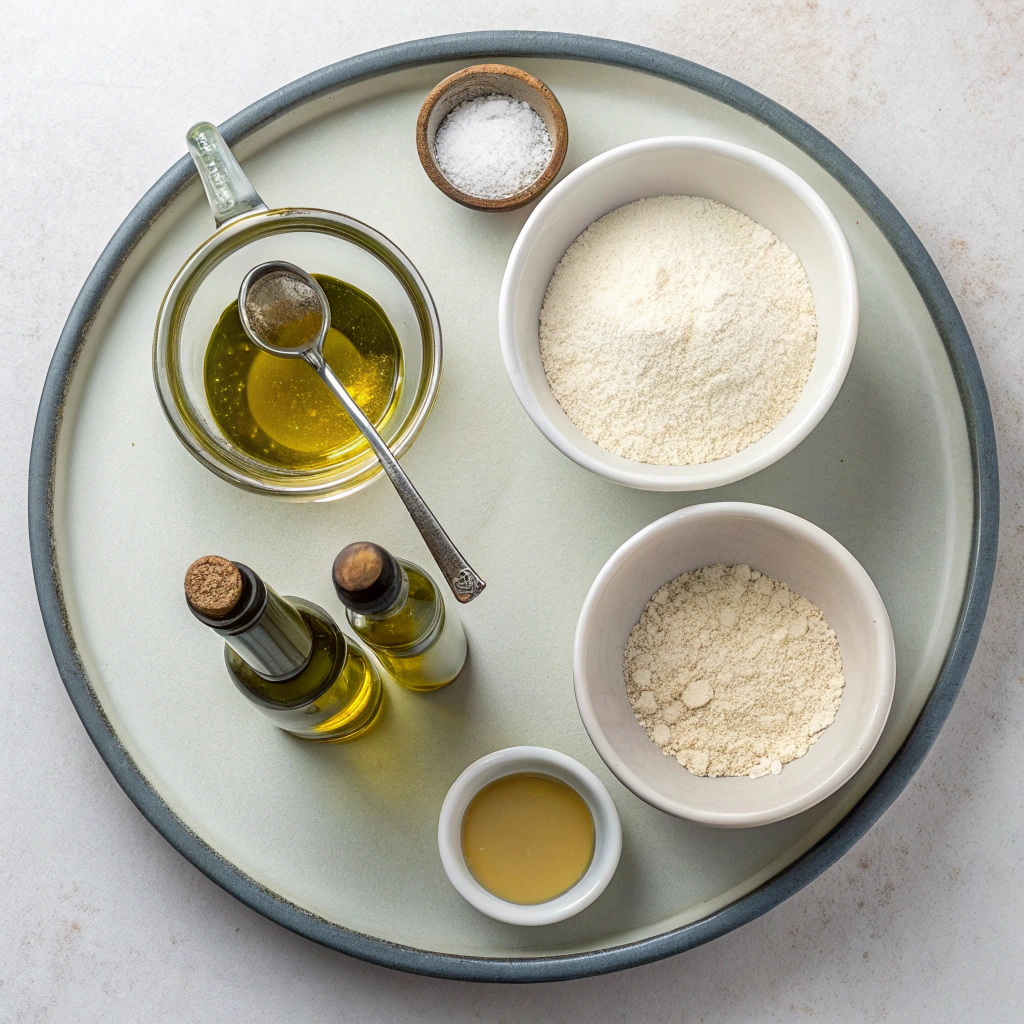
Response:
column 787, row 548
column 763, row 189
column 537, row 761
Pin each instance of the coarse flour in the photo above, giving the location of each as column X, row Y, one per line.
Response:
column 676, row 331
column 732, row 673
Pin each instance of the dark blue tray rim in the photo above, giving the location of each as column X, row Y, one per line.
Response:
column 515, row 44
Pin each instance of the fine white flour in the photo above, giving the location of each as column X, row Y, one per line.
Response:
column 676, row 331
column 732, row 673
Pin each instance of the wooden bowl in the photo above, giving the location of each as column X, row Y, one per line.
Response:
column 482, row 80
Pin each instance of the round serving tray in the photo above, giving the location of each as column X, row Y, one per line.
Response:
column 338, row 842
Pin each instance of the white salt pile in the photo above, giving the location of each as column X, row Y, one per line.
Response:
column 492, row 146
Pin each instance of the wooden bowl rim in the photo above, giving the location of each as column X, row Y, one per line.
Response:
column 560, row 141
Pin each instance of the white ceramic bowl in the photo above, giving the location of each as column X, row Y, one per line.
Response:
column 537, row 761
column 756, row 185
column 788, row 549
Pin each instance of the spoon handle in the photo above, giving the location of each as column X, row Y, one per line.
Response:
column 465, row 583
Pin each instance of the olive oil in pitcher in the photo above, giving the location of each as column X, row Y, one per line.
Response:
column 278, row 410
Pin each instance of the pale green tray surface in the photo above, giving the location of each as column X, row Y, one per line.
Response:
column 349, row 832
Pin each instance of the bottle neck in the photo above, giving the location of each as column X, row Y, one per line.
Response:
column 264, row 630
column 397, row 605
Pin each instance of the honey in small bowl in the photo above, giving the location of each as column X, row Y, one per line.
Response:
column 527, row 838
column 278, row 410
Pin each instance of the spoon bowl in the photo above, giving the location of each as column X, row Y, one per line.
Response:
column 283, row 310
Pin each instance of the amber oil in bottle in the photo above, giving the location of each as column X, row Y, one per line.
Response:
column 398, row 611
column 286, row 655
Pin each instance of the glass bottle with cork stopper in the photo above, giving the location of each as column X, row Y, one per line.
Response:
column 397, row 610
column 286, row 655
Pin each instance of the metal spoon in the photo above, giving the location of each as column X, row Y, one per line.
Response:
column 286, row 313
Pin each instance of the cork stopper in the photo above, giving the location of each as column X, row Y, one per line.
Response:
column 358, row 566
column 366, row 577
column 213, row 586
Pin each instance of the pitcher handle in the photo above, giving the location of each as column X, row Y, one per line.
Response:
column 227, row 188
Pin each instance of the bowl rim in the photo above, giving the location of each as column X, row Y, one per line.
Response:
column 425, row 140
column 541, row 760
column 324, row 484
column 882, row 676
column 709, row 474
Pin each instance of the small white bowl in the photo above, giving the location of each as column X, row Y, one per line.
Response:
column 537, row 761
column 763, row 189
column 787, row 548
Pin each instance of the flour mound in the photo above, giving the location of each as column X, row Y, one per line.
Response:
column 732, row 673
column 676, row 331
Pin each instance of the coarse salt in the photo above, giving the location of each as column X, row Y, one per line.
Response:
column 492, row 146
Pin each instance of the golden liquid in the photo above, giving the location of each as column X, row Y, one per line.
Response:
column 355, row 701
column 336, row 697
column 527, row 838
column 278, row 410
column 392, row 637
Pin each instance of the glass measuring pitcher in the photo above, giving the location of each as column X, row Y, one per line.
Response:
column 321, row 242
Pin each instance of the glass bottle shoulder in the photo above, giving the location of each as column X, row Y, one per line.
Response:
column 330, row 649
column 415, row 619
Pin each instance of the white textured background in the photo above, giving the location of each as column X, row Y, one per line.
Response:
column 101, row 920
